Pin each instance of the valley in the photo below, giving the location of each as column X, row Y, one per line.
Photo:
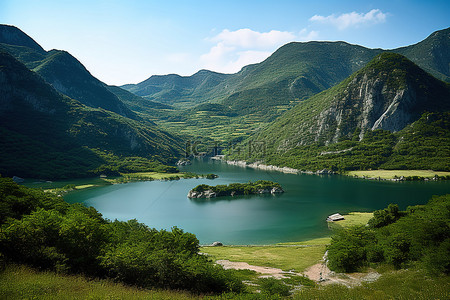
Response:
column 119, row 170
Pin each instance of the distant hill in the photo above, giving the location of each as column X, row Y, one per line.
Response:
column 138, row 104
column 180, row 90
column 48, row 135
column 390, row 114
column 61, row 70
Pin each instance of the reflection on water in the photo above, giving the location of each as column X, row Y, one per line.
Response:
column 296, row 215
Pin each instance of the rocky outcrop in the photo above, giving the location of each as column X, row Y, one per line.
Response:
column 261, row 166
column 183, row 162
column 204, row 194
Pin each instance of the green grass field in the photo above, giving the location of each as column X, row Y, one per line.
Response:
column 153, row 175
column 285, row 257
column 390, row 174
column 352, row 219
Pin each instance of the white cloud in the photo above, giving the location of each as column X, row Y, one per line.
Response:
column 344, row 21
column 235, row 49
column 247, row 38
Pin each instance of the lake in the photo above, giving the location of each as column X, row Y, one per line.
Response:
column 298, row 214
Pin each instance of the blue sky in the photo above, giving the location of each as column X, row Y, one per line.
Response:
column 126, row 41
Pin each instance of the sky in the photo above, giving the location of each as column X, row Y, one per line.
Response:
column 127, row 41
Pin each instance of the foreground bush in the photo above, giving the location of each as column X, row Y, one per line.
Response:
column 420, row 235
column 43, row 231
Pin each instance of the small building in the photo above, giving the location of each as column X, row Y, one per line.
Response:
column 335, row 217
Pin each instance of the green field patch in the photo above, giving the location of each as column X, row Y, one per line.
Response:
column 352, row 219
column 286, row 257
column 391, row 174
column 84, row 186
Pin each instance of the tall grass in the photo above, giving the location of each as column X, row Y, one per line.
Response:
column 21, row 282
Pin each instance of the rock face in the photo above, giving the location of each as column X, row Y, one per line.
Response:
column 183, row 162
column 276, row 190
column 389, row 93
column 204, row 194
column 384, row 95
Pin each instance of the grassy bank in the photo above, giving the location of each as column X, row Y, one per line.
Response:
column 287, row 257
column 20, row 282
column 352, row 219
column 402, row 284
column 149, row 176
column 391, row 174
column 296, row 256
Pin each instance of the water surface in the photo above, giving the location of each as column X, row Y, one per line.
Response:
column 296, row 215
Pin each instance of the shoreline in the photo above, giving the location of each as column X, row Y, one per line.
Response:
column 382, row 175
column 287, row 170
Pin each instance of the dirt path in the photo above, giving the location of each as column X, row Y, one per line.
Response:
column 266, row 271
column 320, row 273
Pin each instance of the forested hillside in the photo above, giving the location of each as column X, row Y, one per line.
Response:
column 391, row 114
column 48, row 135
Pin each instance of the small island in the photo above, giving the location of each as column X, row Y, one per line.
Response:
column 235, row 189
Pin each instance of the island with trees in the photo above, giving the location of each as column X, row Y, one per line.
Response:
column 235, row 189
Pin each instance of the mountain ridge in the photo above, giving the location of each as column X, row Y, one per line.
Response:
column 46, row 134
column 61, row 70
column 295, row 54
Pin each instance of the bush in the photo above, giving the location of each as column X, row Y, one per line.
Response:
column 44, row 231
column 421, row 235
column 271, row 286
column 349, row 247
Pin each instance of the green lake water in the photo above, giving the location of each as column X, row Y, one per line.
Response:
column 296, row 215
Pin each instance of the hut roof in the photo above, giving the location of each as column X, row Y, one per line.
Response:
column 335, row 217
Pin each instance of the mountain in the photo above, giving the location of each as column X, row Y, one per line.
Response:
column 260, row 93
column 294, row 72
column 61, row 70
column 176, row 89
column 138, row 104
column 378, row 117
column 48, row 135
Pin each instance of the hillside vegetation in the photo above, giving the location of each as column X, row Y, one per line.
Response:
column 390, row 115
column 48, row 135
column 43, row 231
column 418, row 236
column 260, row 93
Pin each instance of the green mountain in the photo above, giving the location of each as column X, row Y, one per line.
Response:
column 390, row 114
column 140, row 105
column 299, row 69
column 180, row 90
column 260, row 93
column 48, row 135
column 61, row 70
